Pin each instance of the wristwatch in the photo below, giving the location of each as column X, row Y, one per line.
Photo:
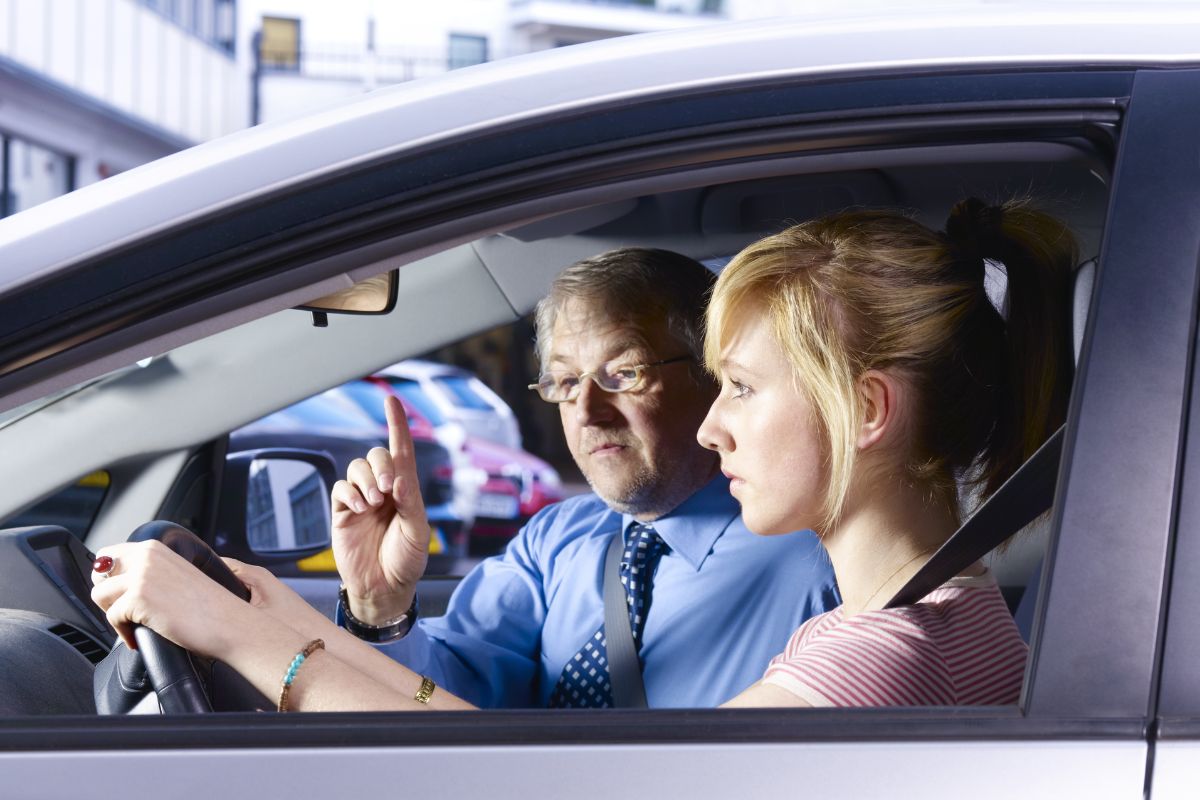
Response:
column 389, row 631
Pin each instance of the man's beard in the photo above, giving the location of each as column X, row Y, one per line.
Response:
column 650, row 492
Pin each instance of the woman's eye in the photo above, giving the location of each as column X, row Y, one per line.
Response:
column 739, row 389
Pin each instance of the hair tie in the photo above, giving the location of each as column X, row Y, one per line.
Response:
column 972, row 229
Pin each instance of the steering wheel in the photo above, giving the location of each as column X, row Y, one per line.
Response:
column 182, row 682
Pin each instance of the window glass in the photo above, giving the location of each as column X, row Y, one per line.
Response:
column 412, row 393
column 462, row 392
column 34, row 175
column 225, row 28
column 466, row 50
column 279, row 47
column 73, row 508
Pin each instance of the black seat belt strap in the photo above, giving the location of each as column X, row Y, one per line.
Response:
column 1027, row 493
column 624, row 669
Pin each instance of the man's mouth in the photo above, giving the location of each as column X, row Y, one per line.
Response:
column 605, row 449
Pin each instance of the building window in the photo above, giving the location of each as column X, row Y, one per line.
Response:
column 466, row 50
column 31, row 174
column 225, row 35
column 279, row 43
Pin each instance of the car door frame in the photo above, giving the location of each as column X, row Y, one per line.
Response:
column 1064, row 728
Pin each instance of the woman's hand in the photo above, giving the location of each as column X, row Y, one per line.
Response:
column 150, row 584
column 380, row 533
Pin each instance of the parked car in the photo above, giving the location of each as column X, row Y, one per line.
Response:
column 145, row 317
column 459, row 396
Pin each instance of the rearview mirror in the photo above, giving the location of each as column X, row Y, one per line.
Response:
column 375, row 295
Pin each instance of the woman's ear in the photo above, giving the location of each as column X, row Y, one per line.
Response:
column 881, row 397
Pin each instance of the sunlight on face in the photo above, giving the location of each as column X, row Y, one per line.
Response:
column 766, row 433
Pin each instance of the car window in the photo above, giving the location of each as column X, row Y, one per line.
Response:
column 412, row 393
column 74, row 507
column 463, row 394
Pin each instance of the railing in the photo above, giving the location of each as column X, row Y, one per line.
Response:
column 383, row 66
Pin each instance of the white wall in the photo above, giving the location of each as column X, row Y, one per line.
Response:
column 130, row 58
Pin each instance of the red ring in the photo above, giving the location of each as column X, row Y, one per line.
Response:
column 102, row 564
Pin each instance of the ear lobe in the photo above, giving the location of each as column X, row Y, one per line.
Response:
column 880, row 396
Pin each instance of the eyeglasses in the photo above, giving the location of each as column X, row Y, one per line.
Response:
column 563, row 387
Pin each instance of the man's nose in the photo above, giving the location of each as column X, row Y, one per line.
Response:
column 593, row 405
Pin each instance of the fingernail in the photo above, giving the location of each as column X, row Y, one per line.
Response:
column 374, row 497
column 385, row 483
column 359, row 507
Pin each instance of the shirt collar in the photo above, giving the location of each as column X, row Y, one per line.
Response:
column 694, row 526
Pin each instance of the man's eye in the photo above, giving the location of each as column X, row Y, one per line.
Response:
column 566, row 381
column 625, row 374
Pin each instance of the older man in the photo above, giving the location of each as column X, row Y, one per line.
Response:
column 708, row 602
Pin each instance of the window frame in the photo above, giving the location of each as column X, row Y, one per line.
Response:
column 1052, row 709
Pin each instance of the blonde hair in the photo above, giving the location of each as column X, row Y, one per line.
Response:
column 874, row 290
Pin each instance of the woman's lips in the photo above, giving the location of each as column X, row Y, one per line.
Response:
column 734, row 480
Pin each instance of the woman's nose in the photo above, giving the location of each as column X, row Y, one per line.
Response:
column 712, row 433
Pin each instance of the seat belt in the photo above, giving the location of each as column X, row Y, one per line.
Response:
column 624, row 669
column 1027, row 493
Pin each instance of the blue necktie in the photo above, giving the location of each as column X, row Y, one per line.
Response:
column 584, row 682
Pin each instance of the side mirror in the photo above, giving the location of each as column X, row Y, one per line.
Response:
column 275, row 505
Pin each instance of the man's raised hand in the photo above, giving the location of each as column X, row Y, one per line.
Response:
column 380, row 533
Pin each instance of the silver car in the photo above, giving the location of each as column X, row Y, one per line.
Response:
column 143, row 318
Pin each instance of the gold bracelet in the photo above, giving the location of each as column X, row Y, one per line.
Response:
column 425, row 692
column 290, row 675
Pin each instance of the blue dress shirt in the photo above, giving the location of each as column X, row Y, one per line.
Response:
column 724, row 603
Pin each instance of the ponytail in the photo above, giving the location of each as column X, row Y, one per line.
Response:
column 1037, row 254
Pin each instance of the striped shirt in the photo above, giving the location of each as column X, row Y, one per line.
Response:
column 957, row 647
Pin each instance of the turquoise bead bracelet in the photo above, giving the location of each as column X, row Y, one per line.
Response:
column 293, row 668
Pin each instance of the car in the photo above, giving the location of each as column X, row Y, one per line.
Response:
column 460, row 397
column 144, row 318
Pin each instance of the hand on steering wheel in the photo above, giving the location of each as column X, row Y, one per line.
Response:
column 172, row 672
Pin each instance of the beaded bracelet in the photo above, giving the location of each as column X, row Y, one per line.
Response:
column 286, row 687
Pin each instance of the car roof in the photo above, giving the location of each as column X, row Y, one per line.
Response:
column 417, row 368
column 265, row 159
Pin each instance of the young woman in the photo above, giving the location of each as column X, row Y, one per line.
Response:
column 866, row 380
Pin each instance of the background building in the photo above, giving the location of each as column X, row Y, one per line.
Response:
column 89, row 88
column 312, row 52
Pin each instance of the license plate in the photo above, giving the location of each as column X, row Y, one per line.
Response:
column 497, row 506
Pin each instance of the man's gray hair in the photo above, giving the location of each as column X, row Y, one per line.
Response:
column 635, row 284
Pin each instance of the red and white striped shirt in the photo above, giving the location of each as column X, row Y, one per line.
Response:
column 957, row 647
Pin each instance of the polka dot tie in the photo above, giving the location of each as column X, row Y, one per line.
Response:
column 584, row 682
